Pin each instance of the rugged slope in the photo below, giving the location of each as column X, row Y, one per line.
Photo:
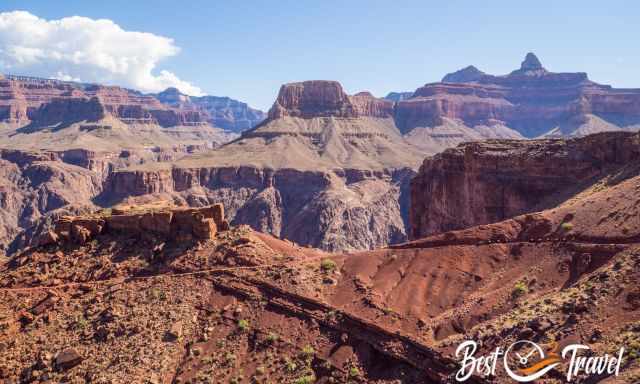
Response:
column 236, row 305
column 485, row 182
column 166, row 308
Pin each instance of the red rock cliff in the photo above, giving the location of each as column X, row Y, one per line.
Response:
column 485, row 182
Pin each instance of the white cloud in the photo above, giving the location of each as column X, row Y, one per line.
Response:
column 88, row 50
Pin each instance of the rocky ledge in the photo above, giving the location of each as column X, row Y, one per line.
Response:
column 176, row 224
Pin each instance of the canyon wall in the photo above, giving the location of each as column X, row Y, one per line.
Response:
column 341, row 210
column 45, row 102
column 530, row 100
column 485, row 182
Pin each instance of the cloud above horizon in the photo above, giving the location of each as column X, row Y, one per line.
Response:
column 82, row 49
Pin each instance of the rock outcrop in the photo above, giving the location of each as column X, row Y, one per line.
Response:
column 34, row 185
column 172, row 224
column 485, row 182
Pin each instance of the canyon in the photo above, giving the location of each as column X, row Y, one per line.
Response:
column 344, row 238
column 322, row 167
column 188, row 304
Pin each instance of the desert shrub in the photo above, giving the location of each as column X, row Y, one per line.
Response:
column 566, row 226
column 272, row 337
column 328, row 265
column 309, row 379
column 519, row 289
column 243, row 325
column 308, row 351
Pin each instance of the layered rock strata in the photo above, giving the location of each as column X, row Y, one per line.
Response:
column 485, row 182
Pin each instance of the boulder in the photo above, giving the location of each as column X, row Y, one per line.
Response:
column 48, row 237
column 63, row 227
column 68, row 359
column 80, row 234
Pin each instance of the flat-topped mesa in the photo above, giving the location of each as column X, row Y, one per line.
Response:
column 322, row 98
column 174, row 224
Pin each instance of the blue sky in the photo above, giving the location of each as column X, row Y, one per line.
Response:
column 246, row 50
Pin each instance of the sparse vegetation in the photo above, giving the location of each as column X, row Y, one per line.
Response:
column 290, row 366
column 243, row 325
column 328, row 265
column 566, row 226
column 272, row 337
column 519, row 289
column 309, row 379
column 308, row 351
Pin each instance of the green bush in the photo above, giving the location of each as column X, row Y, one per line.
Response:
column 309, row 379
column 272, row 337
column 243, row 325
column 328, row 265
column 308, row 351
column 519, row 289
column 566, row 226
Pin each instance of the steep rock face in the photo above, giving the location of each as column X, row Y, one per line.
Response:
column 334, row 211
column 319, row 98
column 223, row 112
column 530, row 100
column 485, row 182
column 33, row 185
